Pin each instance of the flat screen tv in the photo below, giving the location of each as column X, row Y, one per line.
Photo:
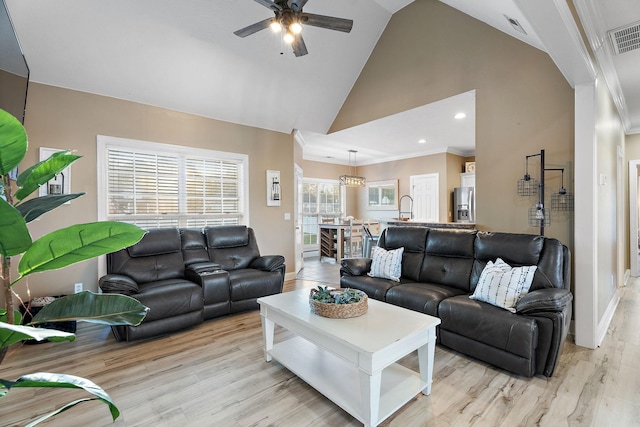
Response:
column 14, row 72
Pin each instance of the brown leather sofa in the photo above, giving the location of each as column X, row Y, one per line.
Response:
column 186, row 276
column 441, row 268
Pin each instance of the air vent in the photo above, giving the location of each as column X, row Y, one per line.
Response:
column 625, row 39
column 515, row 24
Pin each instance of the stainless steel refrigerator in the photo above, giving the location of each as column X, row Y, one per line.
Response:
column 464, row 204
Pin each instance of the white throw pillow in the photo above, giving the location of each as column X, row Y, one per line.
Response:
column 386, row 264
column 503, row 286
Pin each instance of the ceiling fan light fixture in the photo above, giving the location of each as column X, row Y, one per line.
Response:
column 289, row 18
column 288, row 37
column 275, row 26
column 295, row 27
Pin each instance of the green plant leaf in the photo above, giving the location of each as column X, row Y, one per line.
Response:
column 14, row 235
column 17, row 316
column 33, row 208
column 46, row 379
column 11, row 334
column 43, row 171
column 77, row 243
column 62, row 409
column 13, row 142
column 108, row 309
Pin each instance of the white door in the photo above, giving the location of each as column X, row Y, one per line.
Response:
column 425, row 195
column 297, row 218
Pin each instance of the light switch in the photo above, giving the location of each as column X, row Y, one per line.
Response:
column 287, row 216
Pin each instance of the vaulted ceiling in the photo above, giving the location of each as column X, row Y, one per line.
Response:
column 183, row 55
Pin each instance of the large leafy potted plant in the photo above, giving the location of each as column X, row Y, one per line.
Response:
column 55, row 250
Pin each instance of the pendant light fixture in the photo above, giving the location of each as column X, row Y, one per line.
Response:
column 352, row 180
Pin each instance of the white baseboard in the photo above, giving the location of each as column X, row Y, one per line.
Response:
column 290, row 276
column 603, row 326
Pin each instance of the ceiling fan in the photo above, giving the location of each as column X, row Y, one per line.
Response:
column 289, row 18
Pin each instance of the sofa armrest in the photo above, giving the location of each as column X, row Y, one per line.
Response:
column 355, row 266
column 118, row 284
column 203, row 267
column 268, row 262
column 544, row 300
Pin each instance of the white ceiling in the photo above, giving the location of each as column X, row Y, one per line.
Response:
column 183, row 55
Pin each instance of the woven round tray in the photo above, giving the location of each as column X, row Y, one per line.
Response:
column 338, row 311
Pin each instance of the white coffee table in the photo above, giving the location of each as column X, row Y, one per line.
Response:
column 352, row 361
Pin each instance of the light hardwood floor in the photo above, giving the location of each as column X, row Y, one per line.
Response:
column 215, row 375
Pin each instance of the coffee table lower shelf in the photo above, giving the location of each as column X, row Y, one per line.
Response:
column 339, row 380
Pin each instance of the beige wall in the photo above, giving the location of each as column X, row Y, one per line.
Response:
column 430, row 51
column 66, row 119
column 321, row 170
column 609, row 136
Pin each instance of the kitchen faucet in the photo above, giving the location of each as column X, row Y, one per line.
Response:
column 401, row 212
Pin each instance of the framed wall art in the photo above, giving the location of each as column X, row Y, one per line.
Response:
column 61, row 183
column 274, row 194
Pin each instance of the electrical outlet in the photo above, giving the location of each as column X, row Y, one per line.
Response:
column 77, row 288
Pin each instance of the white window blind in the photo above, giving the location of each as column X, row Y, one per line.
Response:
column 158, row 185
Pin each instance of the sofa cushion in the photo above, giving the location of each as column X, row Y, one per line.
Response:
column 156, row 241
column 386, row 264
column 374, row 287
column 230, row 236
column 448, row 258
column 168, row 298
column 233, row 247
column 454, row 243
column 490, row 325
column 413, row 240
column 515, row 249
column 194, row 246
column 249, row 283
column 422, row 297
column 152, row 268
column 503, row 286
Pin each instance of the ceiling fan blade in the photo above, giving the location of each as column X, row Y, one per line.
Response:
column 271, row 5
column 297, row 5
column 253, row 28
column 299, row 48
column 328, row 22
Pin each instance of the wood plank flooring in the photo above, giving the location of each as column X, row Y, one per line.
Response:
column 215, row 375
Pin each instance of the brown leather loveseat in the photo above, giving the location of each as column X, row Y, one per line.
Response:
column 441, row 269
column 186, row 276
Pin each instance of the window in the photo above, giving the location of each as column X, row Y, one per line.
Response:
column 159, row 185
column 383, row 195
column 321, row 200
